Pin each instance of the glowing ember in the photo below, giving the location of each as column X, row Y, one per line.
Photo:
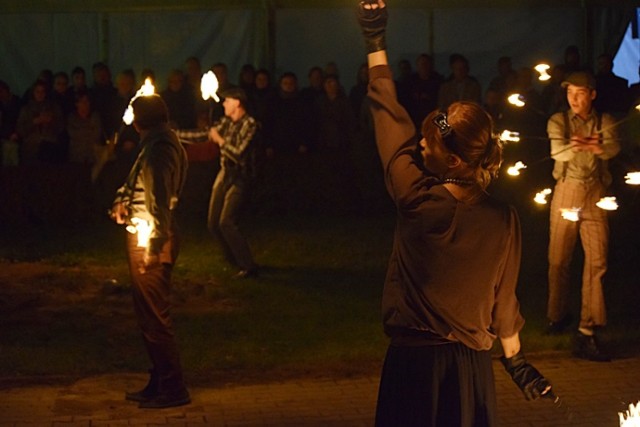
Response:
column 142, row 228
column 147, row 89
column 608, row 203
column 516, row 99
column 571, row 214
column 541, row 197
column 209, row 86
column 632, row 178
column 542, row 69
column 515, row 169
column 632, row 416
column 508, row 136
column 637, row 107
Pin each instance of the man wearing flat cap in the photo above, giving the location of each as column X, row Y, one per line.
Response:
column 234, row 133
column 582, row 140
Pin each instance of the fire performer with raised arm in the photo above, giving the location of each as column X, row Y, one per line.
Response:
column 147, row 202
column 450, row 285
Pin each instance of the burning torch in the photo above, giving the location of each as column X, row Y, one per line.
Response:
column 209, row 88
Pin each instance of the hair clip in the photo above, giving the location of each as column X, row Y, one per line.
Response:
column 443, row 125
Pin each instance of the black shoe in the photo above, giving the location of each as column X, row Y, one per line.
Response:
column 150, row 391
column 587, row 347
column 245, row 274
column 556, row 328
column 167, row 400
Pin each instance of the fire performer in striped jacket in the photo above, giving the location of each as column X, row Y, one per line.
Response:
column 147, row 203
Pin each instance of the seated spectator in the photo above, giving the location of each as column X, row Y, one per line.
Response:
column 460, row 86
column 505, row 80
column 335, row 117
column 39, row 128
column 103, row 96
column 402, row 82
column 62, row 94
column 247, row 79
column 336, row 187
column 78, row 79
column 314, row 89
column 180, row 102
column 422, row 89
column 290, row 124
column 86, row 137
column 359, row 91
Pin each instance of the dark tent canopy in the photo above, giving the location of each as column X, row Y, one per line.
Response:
column 289, row 35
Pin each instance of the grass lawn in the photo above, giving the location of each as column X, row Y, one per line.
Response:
column 65, row 307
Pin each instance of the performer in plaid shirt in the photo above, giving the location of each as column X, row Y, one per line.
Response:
column 234, row 134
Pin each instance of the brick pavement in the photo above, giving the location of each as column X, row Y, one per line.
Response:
column 592, row 393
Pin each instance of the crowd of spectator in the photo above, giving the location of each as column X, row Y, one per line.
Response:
column 315, row 147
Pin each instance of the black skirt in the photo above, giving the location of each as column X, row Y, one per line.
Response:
column 447, row 385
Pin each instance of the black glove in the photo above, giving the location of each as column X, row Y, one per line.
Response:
column 373, row 23
column 530, row 381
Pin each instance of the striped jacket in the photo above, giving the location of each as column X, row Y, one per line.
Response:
column 154, row 184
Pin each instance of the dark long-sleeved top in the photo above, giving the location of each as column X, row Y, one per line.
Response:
column 454, row 265
column 155, row 182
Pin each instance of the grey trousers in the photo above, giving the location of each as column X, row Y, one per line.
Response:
column 227, row 197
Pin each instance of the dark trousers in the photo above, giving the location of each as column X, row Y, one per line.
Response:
column 227, row 197
column 151, row 300
column 446, row 385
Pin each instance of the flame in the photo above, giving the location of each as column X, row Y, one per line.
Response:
column 608, row 203
column 632, row 178
column 515, row 169
column 632, row 416
column 541, row 197
column 571, row 214
column 516, row 99
column 147, row 89
column 142, row 228
column 509, row 136
column 209, row 86
column 542, row 69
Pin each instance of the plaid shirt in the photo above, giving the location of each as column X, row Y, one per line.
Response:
column 237, row 138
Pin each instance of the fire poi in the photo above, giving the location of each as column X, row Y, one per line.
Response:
column 608, row 203
column 541, row 197
column 516, row 99
column 509, row 136
column 571, row 214
column 632, row 178
column 515, row 169
column 542, row 69
column 631, row 418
